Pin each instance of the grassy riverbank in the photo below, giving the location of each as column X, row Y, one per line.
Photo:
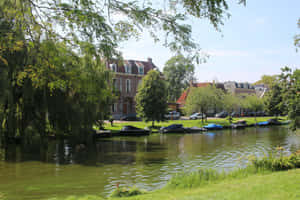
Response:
column 279, row 185
column 186, row 123
column 273, row 177
column 263, row 186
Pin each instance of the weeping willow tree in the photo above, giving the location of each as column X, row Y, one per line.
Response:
column 49, row 89
column 53, row 54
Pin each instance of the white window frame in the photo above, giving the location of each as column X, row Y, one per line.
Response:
column 128, row 69
column 128, row 85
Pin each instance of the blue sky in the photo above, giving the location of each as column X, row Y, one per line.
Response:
column 255, row 40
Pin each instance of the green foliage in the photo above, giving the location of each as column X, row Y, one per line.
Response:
column 290, row 82
column 99, row 22
column 277, row 162
column 267, row 80
column 203, row 177
column 257, row 165
column 297, row 37
column 231, row 103
column 254, row 103
column 203, row 99
column 126, row 192
column 274, row 102
column 151, row 98
column 179, row 73
column 50, row 89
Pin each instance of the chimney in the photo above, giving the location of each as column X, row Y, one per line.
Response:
column 149, row 60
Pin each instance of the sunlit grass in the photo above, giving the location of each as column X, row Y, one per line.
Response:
column 186, row 123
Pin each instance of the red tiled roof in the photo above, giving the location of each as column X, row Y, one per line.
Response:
column 183, row 97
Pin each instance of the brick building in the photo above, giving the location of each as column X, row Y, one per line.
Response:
column 128, row 76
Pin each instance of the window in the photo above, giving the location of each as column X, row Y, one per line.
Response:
column 128, row 86
column 127, row 69
column 120, row 84
column 113, row 67
column 114, row 107
column 141, row 70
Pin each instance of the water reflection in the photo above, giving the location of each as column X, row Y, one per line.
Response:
column 148, row 162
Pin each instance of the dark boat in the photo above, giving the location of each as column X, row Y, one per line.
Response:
column 286, row 122
column 174, row 128
column 274, row 122
column 213, row 127
column 239, row 124
column 102, row 134
column 133, row 131
column 195, row 129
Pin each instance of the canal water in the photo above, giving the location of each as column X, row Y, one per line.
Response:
column 146, row 162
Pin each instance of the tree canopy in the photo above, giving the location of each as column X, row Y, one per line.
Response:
column 179, row 73
column 231, row 103
column 254, row 103
column 106, row 23
column 297, row 37
column 267, row 80
column 275, row 104
column 151, row 98
column 203, row 100
column 290, row 81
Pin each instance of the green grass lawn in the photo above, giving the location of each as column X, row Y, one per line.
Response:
column 278, row 185
column 284, row 185
column 186, row 123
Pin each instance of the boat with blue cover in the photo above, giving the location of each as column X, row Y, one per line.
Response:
column 265, row 123
column 213, row 127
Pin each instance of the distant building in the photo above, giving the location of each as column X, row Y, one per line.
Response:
column 261, row 90
column 240, row 89
column 128, row 75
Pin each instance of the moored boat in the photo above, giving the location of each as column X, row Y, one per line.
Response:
column 213, row 127
column 239, row 124
column 265, row 123
column 174, row 128
column 195, row 129
column 133, row 131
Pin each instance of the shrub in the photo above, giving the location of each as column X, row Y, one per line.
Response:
column 126, row 192
column 205, row 176
column 272, row 162
column 277, row 163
